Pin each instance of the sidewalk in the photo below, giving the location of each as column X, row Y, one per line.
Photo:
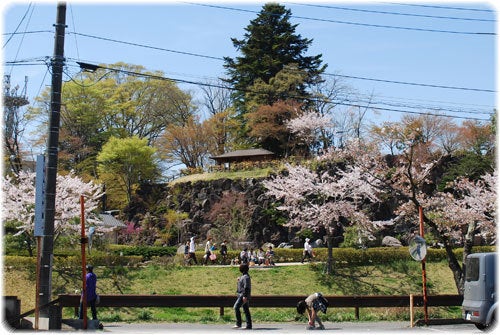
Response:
column 381, row 327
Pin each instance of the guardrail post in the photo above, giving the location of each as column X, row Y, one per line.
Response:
column 221, row 311
column 356, row 312
column 411, row 310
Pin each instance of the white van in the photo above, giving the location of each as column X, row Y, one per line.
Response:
column 480, row 301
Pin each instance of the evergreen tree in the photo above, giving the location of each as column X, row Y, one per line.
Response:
column 270, row 44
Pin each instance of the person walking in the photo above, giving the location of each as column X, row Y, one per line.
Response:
column 91, row 286
column 223, row 252
column 186, row 253
column 192, row 250
column 208, row 250
column 244, row 291
column 307, row 253
column 313, row 304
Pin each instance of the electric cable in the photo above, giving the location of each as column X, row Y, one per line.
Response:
column 391, row 13
column 388, row 101
column 441, row 7
column 455, row 32
column 316, row 99
column 19, row 24
column 325, row 73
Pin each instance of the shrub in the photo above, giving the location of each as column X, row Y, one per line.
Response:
column 146, row 252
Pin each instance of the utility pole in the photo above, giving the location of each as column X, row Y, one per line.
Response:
column 47, row 253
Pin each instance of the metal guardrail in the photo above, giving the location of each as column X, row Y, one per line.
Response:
column 288, row 301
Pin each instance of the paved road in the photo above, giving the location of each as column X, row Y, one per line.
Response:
column 288, row 328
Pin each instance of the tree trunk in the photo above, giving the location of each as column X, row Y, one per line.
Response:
column 468, row 244
column 453, row 263
column 329, row 261
column 29, row 246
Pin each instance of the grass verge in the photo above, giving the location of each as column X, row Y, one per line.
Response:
column 160, row 278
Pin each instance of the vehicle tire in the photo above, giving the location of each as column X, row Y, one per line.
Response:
column 480, row 326
column 493, row 322
column 489, row 326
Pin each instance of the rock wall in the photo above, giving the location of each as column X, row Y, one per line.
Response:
column 199, row 198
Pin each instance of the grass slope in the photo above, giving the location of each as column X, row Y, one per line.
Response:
column 395, row 278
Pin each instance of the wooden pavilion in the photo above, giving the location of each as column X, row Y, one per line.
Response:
column 238, row 156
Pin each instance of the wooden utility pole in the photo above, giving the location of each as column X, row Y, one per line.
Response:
column 47, row 253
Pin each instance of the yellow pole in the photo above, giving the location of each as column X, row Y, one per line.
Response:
column 37, row 297
column 411, row 310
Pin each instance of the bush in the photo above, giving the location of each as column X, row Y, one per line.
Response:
column 369, row 256
column 146, row 252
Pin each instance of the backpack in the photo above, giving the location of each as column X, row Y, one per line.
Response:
column 320, row 303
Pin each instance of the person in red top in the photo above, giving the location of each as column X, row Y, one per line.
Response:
column 91, row 285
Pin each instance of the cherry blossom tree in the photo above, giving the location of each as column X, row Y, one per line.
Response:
column 18, row 204
column 322, row 201
column 310, row 126
column 455, row 216
column 411, row 177
column 465, row 213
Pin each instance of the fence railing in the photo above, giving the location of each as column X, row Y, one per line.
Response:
column 284, row 301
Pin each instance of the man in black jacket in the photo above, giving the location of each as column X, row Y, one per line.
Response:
column 244, row 290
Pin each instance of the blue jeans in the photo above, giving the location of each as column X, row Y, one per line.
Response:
column 246, row 309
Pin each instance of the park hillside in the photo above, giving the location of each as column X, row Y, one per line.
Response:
column 329, row 174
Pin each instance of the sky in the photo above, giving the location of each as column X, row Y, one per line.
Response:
column 438, row 57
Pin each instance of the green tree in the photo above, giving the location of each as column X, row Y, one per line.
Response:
column 128, row 101
column 270, row 106
column 188, row 143
column 268, row 127
column 268, row 46
column 125, row 162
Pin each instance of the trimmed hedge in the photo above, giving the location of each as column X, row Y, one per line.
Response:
column 351, row 256
column 123, row 255
column 146, row 252
column 74, row 261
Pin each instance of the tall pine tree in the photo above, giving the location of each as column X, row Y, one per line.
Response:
column 270, row 44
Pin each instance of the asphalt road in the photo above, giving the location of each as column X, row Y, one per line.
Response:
column 288, row 328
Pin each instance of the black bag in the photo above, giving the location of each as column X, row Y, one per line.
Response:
column 320, row 304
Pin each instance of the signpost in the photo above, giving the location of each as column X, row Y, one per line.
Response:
column 418, row 251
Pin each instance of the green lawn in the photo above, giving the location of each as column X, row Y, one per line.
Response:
column 395, row 278
column 243, row 174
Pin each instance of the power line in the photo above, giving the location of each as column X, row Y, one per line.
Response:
column 353, row 101
column 417, row 84
column 19, row 25
column 441, row 7
column 353, row 23
column 146, row 46
column 392, row 13
column 391, row 103
column 312, row 99
column 30, row 32
column 327, row 74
